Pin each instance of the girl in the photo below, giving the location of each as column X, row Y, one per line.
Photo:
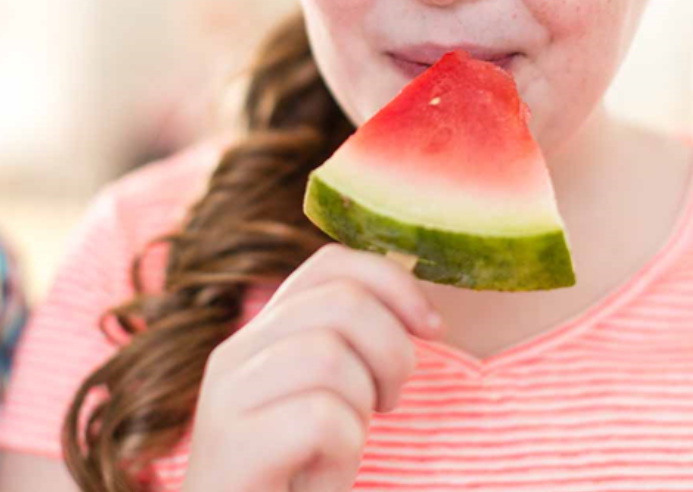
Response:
column 246, row 353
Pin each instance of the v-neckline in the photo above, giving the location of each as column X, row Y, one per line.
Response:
column 669, row 250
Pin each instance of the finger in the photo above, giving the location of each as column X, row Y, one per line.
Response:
column 395, row 286
column 375, row 334
column 309, row 360
column 265, row 450
column 321, row 451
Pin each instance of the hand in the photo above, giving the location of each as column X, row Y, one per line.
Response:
column 286, row 402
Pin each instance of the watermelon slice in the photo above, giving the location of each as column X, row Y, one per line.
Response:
column 448, row 171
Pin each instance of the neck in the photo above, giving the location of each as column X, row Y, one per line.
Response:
column 598, row 177
column 577, row 170
column 583, row 158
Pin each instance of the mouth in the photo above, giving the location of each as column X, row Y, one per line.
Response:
column 413, row 60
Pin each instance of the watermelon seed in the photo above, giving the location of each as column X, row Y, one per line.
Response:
column 435, row 101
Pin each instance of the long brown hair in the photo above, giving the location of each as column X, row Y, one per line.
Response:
column 249, row 227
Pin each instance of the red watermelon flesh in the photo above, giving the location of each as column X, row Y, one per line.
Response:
column 449, row 171
column 485, row 128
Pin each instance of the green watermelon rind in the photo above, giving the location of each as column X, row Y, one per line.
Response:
column 512, row 263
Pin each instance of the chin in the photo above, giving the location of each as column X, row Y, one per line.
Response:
column 383, row 85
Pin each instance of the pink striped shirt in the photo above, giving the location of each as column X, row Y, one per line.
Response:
column 602, row 402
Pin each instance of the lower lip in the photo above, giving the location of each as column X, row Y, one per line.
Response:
column 413, row 70
column 409, row 69
column 506, row 63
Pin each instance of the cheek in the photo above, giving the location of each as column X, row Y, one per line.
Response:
column 339, row 11
column 341, row 49
column 587, row 39
column 585, row 42
column 577, row 17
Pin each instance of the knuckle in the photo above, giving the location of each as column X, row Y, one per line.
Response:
column 350, row 295
column 281, row 313
column 353, row 439
column 410, row 359
column 215, row 361
column 322, row 412
column 370, row 396
column 330, row 419
column 327, row 353
column 329, row 249
column 401, row 362
column 218, row 385
column 281, row 310
column 368, row 393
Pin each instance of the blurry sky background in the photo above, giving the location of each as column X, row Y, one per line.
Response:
column 89, row 88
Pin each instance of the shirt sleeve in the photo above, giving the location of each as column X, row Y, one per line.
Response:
column 62, row 342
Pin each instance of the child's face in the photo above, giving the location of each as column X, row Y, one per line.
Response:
column 563, row 53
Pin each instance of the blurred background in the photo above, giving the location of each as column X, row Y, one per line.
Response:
column 90, row 89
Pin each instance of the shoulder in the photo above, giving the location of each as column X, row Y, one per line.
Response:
column 169, row 178
column 150, row 200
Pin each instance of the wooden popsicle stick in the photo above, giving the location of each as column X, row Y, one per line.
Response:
column 406, row 260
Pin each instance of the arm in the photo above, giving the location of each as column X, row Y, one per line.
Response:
column 59, row 346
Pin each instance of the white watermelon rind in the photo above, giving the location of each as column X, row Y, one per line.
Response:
column 442, row 203
column 531, row 262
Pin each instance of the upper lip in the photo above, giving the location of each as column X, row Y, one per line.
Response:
column 428, row 54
